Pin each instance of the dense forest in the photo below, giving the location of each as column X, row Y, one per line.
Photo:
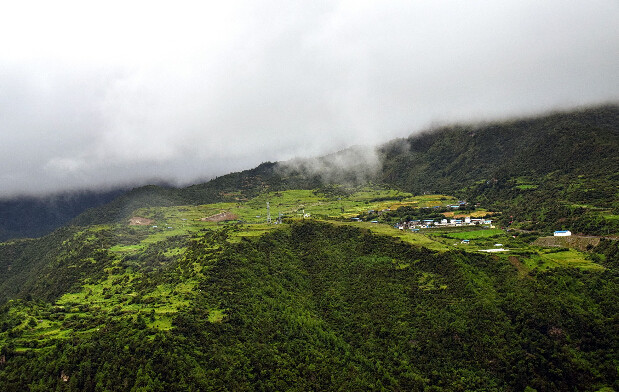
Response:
column 320, row 307
column 578, row 144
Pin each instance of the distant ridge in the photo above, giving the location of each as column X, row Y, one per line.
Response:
column 457, row 159
column 576, row 143
column 22, row 217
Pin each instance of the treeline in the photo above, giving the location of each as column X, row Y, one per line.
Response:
column 320, row 307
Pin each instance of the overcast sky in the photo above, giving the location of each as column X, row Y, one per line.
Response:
column 97, row 94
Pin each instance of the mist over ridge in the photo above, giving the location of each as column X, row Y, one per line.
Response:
column 183, row 94
column 346, row 164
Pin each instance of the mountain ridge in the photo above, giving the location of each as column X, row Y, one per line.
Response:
column 453, row 159
column 460, row 160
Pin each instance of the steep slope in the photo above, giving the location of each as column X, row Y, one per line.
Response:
column 22, row 260
column 572, row 144
column 316, row 307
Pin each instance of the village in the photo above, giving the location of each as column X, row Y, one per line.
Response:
column 430, row 223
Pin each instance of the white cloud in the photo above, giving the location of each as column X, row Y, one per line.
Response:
column 98, row 94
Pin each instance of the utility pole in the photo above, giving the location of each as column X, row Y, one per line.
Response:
column 268, row 213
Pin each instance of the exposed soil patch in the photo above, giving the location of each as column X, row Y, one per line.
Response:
column 139, row 221
column 473, row 214
column 222, row 216
column 522, row 269
column 582, row 243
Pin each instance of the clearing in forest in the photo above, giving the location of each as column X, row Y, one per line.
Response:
column 222, row 216
column 139, row 221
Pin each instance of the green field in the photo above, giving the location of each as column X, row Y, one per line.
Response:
column 550, row 258
column 475, row 234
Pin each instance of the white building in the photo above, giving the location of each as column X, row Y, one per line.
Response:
column 563, row 233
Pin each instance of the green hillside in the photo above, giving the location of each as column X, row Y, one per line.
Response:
column 183, row 301
column 567, row 144
column 346, row 288
column 566, row 163
column 558, row 171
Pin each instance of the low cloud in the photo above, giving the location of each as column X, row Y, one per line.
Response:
column 99, row 96
column 353, row 166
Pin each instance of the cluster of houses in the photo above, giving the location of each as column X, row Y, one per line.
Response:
column 428, row 223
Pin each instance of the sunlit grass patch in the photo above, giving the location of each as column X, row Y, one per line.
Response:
column 253, row 230
column 553, row 258
column 405, row 235
column 429, row 281
column 161, row 322
column 126, row 248
column 474, row 234
column 568, row 258
column 215, row 315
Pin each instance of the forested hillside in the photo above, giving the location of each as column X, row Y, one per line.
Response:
column 554, row 172
column 318, row 307
column 568, row 145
